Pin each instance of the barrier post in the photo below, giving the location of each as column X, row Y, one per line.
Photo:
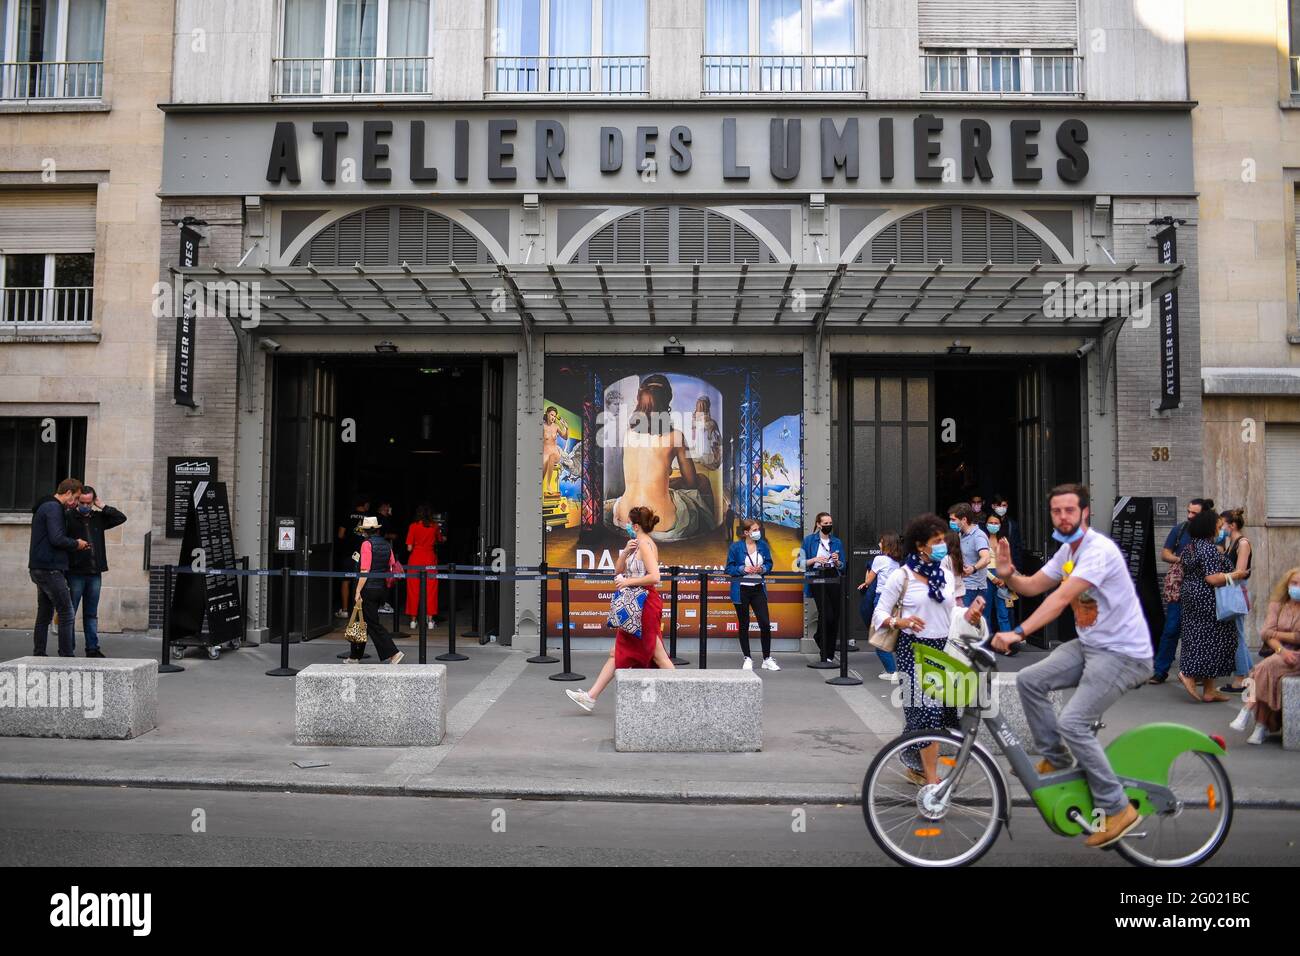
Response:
column 565, row 628
column 284, row 670
column 704, row 620
column 243, row 603
column 451, row 654
column 166, row 666
column 843, row 678
column 423, row 611
column 542, row 657
column 672, row 618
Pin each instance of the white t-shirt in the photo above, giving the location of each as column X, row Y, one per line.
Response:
column 884, row 566
column 1108, row 615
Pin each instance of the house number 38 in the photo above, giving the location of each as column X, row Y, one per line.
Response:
column 1159, row 452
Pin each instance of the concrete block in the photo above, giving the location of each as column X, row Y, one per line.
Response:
column 360, row 705
column 89, row 699
column 1005, row 698
column 1291, row 713
column 688, row 711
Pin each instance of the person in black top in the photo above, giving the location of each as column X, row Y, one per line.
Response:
column 89, row 520
column 47, row 565
column 349, row 544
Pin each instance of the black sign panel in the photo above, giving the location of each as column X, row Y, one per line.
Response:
column 1170, row 386
column 183, row 360
column 214, row 596
column 1132, row 527
column 182, row 474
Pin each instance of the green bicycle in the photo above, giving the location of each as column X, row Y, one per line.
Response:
column 1170, row 772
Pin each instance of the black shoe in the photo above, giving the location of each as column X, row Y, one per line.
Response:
column 38, row 654
column 95, row 653
column 1158, row 678
column 1229, row 689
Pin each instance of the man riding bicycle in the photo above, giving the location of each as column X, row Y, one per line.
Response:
column 1111, row 656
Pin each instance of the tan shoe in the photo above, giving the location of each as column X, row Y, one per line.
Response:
column 1046, row 766
column 915, row 776
column 1114, row 827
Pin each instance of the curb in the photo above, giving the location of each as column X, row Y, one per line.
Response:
column 704, row 793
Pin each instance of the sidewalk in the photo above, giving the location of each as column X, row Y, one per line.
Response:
column 513, row 733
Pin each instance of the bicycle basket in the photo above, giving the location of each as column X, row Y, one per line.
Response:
column 943, row 678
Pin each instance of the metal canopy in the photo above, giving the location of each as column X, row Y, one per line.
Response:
column 774, row 297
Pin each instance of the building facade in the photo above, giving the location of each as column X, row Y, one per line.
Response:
column 80, row 164
column 864, row 258
column 1246, row 131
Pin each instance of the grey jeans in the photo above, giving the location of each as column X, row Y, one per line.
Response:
column 1100, row 677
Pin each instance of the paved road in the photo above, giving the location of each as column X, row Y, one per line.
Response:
column 101, row 826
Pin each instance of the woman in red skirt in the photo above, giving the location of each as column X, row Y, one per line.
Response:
column 422, row 538
column 637, row 566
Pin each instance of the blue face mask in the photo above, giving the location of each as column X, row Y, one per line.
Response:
column 938, row 552
column 1079, row 532
column 630, row 529
column 954, row 526
column 1294, row 591
column 84, row 509
column 1223, row 536
column 993, row 528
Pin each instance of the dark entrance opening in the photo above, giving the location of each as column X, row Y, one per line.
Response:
column 923, row 434
column 400, row 431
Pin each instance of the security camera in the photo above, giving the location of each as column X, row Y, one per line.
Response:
column 268, row 345
column 1085, row 348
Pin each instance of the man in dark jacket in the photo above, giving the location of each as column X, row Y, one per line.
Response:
column 47, row 564
column 89, row 520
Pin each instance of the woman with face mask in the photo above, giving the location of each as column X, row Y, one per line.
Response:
column 997, row 599
column 928, row 588
column 1236, row 548
column 1280, row 636
column 748, row 560
column 824, row 560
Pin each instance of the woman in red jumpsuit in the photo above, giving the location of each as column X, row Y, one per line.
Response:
column 422, row 539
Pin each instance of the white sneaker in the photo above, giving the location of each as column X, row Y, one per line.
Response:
column 341, row 613
column 747, row 664
column 770, row 665
column 396, row 658
column 415, row 625
column 886, row 675
column 385, row 609
column 582, row 699
column 1257, row 735
column 1242, row 720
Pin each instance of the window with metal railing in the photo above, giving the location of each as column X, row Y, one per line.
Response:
column 1001, row 72
column 353, row 49
column 781, row 46
column 568, row 47
column 51, row 50
column 46, row 291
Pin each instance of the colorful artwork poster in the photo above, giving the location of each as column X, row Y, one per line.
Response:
column 702, row 441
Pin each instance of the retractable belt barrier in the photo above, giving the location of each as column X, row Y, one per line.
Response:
column 479, row 573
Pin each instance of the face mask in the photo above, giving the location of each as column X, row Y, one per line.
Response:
column 977, row 507
column 993, row 528
column 1079, row 532
column 631, row 531
column 938, row 552
column 1000, row 512
column 954, row 525
column 84, row 509
column 1294, row 591
column 826, row 529
column 1223, row 536
column 755, row 534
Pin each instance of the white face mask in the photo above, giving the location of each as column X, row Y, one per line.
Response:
column 755, row 534
column 1000, row 511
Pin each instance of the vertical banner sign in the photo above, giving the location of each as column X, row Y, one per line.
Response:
column 1170, row 386
column 210, row 597
column 1132, row 528
column 183, row 363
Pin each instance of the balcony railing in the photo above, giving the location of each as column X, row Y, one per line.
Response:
column 301, row 77
column 730, row 74
column 567, row 75
column 30, row 308
column 53, row 80
column 1002, row 74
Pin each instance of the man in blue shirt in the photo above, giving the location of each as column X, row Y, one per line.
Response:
column 974, row 550
column 1177, row 539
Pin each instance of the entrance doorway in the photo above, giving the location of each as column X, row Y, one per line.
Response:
column 922, row 435
column 396, row 431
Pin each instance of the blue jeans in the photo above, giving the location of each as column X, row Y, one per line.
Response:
column 52, row 595
column 86, row 586
column 1243, row 652
column 1168, row 639
column 995, row 606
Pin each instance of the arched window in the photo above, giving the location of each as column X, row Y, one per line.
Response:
column 391, row 235
column 673, row 235
column 956, row 234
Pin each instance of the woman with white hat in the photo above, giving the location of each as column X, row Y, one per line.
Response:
column 376, row 555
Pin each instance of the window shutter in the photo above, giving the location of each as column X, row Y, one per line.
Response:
column 999, row 23
column 47, row 220
column 979, row 235
column 1282, row 470
column 391, row 235
column 673, row 234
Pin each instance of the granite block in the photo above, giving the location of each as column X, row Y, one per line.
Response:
column 84, row 698
column 379, row 705
column 688, row 711
column 1291, row 713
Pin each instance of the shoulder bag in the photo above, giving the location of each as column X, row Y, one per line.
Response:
column 625, row 609
column 356, row 629
column 886, row 638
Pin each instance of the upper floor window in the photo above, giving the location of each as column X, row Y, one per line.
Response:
column 1000, row 71
column 47, row 259
column 568, row 46
column 353, row 48
column 782, row 46
column 51, row 49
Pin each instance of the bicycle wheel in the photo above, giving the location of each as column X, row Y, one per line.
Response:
column 1196, row 827
column 910, row 827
